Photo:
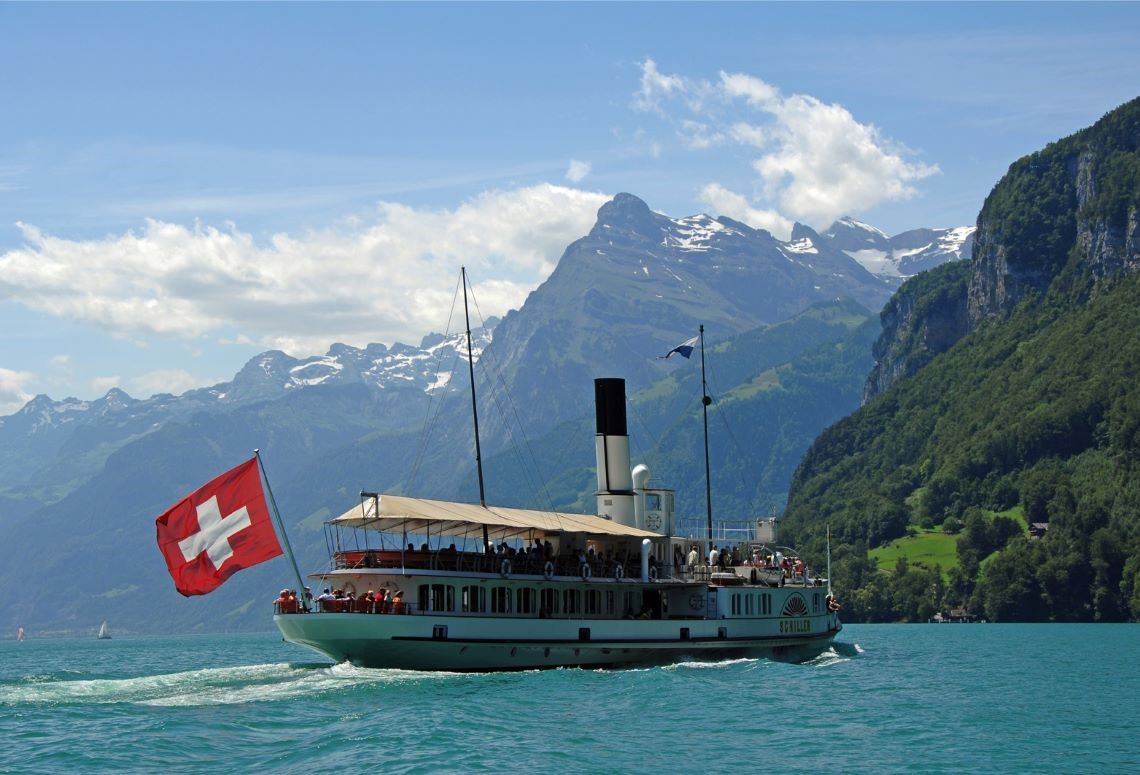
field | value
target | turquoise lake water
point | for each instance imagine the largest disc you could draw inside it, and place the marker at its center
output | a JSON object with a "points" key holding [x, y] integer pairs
{"points": [[889, 698]]}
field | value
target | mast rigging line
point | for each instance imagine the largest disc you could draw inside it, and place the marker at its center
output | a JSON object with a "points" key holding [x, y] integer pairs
{"points": [[495, 379], [430, 420]]}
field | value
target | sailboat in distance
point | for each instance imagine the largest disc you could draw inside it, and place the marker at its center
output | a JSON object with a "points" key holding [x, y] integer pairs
{"points": [[19, 633], [103, 633]]}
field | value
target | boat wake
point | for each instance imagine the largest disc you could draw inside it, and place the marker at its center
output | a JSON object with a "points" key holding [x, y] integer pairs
{"points": [[836, 654], [210, 686], [710, 665]]}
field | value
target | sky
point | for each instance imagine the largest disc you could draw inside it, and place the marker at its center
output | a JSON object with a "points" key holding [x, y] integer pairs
{"points": [[184, 186]]}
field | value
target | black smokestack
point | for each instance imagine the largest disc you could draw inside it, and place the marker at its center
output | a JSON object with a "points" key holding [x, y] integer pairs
{"points": [[609, 403]]}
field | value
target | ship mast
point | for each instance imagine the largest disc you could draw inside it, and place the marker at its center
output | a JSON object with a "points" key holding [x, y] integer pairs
{"points": [[474, 407], [705, 401]]}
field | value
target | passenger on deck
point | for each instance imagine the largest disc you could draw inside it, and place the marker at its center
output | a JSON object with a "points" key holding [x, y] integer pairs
{"points": [[282, 602], [324, 600], [694, 556], [379, 602], [714, 556], [548, 549], [398, 602]]}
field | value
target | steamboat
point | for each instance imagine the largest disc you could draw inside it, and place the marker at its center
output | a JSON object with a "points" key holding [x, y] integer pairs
{"points": [[432, 585]]}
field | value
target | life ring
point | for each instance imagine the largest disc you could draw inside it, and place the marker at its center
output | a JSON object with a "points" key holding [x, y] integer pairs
{"points": [[548, 570], [349, 589], [619, 571], [584, 571], [653, 573], [505, 569]]}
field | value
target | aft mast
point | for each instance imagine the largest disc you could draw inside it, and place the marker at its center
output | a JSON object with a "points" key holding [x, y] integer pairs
{"points": [[705, 401]]}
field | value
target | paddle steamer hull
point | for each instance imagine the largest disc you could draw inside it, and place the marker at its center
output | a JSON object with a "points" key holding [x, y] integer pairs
{"points": [[679, 620], [415, 642]]}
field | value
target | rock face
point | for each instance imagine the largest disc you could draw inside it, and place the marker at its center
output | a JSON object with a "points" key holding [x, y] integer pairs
{"points": [[1068, 213], [927, 316], [1064, 220]]}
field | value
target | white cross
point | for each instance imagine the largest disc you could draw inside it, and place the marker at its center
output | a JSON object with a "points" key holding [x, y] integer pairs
{"points": [[214, 533]]}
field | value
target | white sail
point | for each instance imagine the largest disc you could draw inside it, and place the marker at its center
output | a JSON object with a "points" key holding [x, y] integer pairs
{"points": [[19, 633], [103, 634]]}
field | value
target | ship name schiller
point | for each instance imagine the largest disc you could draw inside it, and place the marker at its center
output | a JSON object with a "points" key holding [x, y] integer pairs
{"points": [[795, 625]]}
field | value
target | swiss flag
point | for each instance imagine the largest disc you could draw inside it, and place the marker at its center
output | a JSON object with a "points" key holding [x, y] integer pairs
{"points": [[217, 530]]}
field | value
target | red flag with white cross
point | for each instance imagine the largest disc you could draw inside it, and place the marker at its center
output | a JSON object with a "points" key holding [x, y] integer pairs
{"points": [[217, 530]]}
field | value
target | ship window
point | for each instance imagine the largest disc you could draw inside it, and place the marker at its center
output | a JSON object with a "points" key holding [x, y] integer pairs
{"points": [[442, 597], [628, 604], [652, 501], [609, 602], [548, 599], [736, 604], [592, 602], [525, 604], [474, 600], [748, 604], [766, 603], [815, 602], [500, 600], [570, 601]]}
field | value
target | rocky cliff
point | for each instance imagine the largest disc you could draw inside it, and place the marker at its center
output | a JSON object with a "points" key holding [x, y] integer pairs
{"points": [[1067, 213], [1062, 221], [927, 316]]}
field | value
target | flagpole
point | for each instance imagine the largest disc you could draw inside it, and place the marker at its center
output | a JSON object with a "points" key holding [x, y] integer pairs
{"points": [[303, 601], [829, 559], [705, 401]]}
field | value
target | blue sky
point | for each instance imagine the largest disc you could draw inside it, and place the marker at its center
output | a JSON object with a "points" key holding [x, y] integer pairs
{"points": [[185, 185]]}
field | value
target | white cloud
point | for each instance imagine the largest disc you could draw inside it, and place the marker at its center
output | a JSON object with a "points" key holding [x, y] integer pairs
{"points": [[577, 170], [815, 161], [381, 278], [13, 394], [698, 135], [655, 86], [101, 385], [725, 202], [176, 381]]}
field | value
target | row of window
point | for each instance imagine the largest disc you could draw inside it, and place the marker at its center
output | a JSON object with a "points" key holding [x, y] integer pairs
{"points": [[760, 604], [751, 604], [478, 599]]}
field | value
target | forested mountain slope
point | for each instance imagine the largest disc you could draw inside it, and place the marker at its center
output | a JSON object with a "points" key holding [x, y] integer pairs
{"points": [[1031, 416]]}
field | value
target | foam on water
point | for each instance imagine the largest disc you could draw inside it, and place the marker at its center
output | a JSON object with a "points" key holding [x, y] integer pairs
{"points": [[209, 686]]}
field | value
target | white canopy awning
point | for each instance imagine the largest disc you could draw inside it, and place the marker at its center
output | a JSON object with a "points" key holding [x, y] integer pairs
{"points": [[422, 516]]}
